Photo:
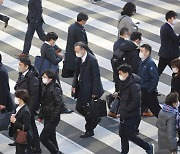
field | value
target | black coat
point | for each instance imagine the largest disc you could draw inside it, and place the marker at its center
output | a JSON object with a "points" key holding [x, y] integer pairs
{"points": [[23, 117], [118, 43], [131, 55], [175, 84], [87, 79], [130, 97], [31, 83], [5, 96], [52, 102], [169, 42], [76, 33], [48, 52], [35, 11]]}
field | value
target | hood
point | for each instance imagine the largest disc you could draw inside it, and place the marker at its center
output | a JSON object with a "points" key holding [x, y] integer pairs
{"points": [[128, 46]]}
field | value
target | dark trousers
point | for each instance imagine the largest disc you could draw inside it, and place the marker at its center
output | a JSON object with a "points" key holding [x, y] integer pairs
{"points": [[163, 62], [150, 100], [36, 140], [32, 27], [48, 136], [128, 132], [1, 17]]}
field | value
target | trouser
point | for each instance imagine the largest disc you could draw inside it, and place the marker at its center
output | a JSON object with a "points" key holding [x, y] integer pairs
{"points": [[36, 140], [127, 132], [1, 17], [48, 136], [150, 100], [90, 120], [163, 62], [32, 27]]}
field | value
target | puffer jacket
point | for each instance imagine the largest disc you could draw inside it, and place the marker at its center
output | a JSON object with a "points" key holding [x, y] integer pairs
{"points": [[51, 102], [166, 124]]}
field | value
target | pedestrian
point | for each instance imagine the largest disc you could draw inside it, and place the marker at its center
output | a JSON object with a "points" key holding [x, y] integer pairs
{"points": [[168, 123], [21, 120], [125, 20], [28, 79], [130, 104], [86, 86], [149, 81], [131, 51], [6, 102], [35, 23], [76, 33], [51, 108], [3, 18], [169, 49]]}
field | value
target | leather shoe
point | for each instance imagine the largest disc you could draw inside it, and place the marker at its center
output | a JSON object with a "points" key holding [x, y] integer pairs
{"points": [[36, 150], [5, 19], [95, 122], [59, 152], [66, 111], [12, 144], [87, 134], [22, 55]]}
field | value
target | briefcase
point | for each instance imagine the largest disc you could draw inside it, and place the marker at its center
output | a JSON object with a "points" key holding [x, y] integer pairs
{"points": [[4, 120]]}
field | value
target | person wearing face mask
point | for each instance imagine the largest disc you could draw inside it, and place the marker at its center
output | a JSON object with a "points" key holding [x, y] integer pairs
{"points": [[170, 42], [21, 120], [149, 81], [86, 86], [130, 104], [168, 122], [51, 107], [29, 79]]}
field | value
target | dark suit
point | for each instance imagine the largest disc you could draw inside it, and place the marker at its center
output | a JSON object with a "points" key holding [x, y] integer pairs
{"points": [[169, 49], [76, 33], [35, 23], [23, 118], [87, 83], [5, 96]]}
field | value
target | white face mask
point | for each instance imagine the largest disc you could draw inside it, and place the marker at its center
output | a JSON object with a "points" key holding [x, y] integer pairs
{"points": [[141, 55], [178, 104], [78, 54], [174, 21], [126, 38], [45, 81], [122, 78], [175, 70], [16, 101]]}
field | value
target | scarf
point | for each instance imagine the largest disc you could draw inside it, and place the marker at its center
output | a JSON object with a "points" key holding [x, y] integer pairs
{"points": [[174, 111]]}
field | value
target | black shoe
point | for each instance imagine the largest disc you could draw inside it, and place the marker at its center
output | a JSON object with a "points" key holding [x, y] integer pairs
{"points": [[67, 111], [87, 134], [178, 142], [22, 55], [59, 152], [95, 122], [5, 19], [12, 144], [36, 150]]}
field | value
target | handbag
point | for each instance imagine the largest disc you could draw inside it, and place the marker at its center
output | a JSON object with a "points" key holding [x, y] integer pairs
{"points": [[4, 120], [21, 136]]}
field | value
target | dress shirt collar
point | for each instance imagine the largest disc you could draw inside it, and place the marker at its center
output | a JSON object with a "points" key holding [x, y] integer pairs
{"points": [[84, 57], [25, 72], [171, 25]]}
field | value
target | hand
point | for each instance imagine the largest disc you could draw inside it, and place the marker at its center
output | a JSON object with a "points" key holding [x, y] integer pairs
{"points": [[39, 120], [60, 55], [73, 90], [115, 94], [94, 96], [13, 119], [2, 107]]}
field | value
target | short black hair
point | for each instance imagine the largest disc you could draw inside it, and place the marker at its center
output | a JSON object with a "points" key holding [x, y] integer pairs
{"points": [[147, 47], [136, 35], [22, 94], [125, 68], [81, 44], [51, 74], [124, 30], [51, 36], [128, 9], [0, 58], [25, 60], [172, 98], [82, 16], [170, 14]]}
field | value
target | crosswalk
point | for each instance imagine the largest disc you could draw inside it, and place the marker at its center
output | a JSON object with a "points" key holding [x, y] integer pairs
{"points": [[102, 33]]}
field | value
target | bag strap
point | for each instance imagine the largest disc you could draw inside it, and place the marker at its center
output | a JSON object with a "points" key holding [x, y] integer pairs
{"points": [[22, 127], [122, 18]]}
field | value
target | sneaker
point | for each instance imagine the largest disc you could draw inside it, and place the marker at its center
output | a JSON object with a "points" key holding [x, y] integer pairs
{"points": [[151, 149]]}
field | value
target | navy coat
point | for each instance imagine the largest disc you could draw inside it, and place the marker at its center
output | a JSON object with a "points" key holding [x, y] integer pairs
{"points": [[5, 96], [169, 42]]}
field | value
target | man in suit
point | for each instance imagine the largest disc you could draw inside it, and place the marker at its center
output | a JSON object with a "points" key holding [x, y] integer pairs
{"points": [[5, 19], [28, 80], [5, 96], [76, 33], [170, 42], [86, 86], [35, 23]]}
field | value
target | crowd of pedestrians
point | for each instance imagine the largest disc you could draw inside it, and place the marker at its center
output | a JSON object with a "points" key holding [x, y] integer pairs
{"points": [[135, 75]]}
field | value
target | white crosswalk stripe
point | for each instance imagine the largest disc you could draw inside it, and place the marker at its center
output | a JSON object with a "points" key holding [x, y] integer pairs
{"points": [[101, 31]]}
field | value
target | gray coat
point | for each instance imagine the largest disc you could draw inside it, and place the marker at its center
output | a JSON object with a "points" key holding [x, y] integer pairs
{"points": [[166, 124]]}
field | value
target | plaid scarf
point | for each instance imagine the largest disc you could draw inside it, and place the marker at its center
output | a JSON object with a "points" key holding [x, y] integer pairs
{"points": [[174, 111]]}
